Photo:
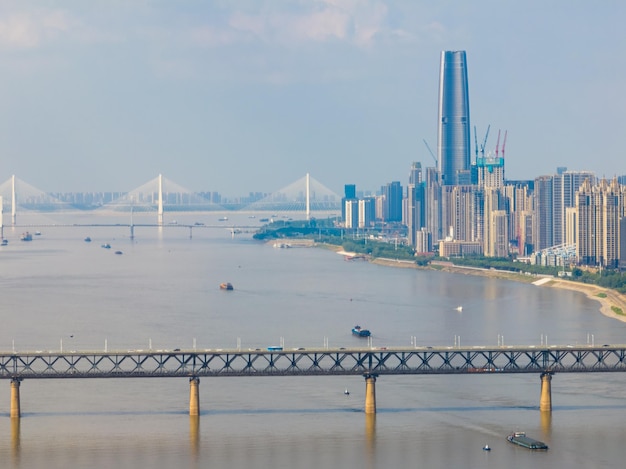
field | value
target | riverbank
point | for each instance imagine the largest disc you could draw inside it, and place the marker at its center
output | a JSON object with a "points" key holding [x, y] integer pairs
{"points": [[612, 303]]}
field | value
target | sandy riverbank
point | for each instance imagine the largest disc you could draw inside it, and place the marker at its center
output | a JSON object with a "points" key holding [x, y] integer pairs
{"points": [[609, 299]]}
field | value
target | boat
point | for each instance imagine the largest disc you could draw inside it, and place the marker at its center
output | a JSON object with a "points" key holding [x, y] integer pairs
{"points": [[26, 236], [346, 392], [106, 246], [88, 239], [459, 309], [119, 253], [520, 439], [223, 219], [360, 332], [226, 286], [486, 448], [264, 220], [5, 242]]}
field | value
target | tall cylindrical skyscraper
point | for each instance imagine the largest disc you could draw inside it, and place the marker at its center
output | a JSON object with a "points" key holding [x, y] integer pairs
{"points": [[453, 129]]}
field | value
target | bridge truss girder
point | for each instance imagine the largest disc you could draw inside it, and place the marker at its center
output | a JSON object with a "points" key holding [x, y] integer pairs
{"points": [[420, 361]]}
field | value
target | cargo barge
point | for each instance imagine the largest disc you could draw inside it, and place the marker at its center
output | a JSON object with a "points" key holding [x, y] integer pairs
{"points": [[520, 439]]}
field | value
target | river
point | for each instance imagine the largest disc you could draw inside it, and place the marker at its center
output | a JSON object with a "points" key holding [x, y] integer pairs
{"points": [[59, 291]]}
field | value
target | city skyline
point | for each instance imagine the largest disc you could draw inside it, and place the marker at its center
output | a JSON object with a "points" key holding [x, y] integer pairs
{"points": [[251, 95]]}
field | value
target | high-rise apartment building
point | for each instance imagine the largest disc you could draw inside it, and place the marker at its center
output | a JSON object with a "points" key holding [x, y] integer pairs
{"points": [[565, 184], [392, 208], [600, 209], [349, 194], [542, 226], [453, 128], [414, 206]]}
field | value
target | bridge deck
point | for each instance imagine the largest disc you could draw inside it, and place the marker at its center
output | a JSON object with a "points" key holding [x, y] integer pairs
{"points": [[311, 362]]}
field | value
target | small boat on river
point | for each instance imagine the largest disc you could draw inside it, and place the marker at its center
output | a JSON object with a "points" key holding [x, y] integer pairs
{"points": [[360, 332], [226, 286], [520, 439], [26, 236]]}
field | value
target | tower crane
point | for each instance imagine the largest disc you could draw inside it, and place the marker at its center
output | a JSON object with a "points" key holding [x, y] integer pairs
{"points": [[504, 143], [431, 153], [482, 147], [498, 144], [475, 142]]}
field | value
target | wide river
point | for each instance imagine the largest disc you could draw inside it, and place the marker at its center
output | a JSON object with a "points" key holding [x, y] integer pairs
{"points": [[60, 291]]}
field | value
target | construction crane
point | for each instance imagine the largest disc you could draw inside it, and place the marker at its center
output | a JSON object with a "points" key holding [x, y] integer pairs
{"points": [[482, 147], [475, 142], [431, 154], [504, 143], [498, 144]]}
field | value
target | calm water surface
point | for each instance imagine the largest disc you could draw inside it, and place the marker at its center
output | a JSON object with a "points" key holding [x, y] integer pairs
{"points": [[61, 292]]}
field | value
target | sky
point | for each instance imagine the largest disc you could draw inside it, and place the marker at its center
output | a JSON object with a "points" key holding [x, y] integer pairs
{"points": [[251, 95]]}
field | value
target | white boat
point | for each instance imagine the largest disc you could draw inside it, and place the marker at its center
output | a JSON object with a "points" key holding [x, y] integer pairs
{"points": [[459, 308]]}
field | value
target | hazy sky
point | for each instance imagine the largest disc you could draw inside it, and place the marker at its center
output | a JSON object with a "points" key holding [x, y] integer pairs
{"points": [[250, 95]]}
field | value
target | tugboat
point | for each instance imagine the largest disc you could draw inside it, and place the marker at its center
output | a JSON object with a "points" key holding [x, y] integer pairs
{"points": [[520, 439], [360, 332]]}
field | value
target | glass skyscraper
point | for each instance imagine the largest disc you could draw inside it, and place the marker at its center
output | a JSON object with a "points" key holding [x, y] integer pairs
{"points": [[453, 129]]}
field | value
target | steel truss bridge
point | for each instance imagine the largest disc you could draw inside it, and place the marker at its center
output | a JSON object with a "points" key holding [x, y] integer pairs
{"points": [[312, 362], [276, 361]]}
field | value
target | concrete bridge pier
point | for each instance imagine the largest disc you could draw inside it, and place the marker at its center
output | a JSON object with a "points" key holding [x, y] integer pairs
{"points": [[194, 396], [15, 398], [545, 400], [370, 393]]}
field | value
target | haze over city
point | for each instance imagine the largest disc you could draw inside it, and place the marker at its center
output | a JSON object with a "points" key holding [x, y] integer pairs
{"points": [[249, 96]]}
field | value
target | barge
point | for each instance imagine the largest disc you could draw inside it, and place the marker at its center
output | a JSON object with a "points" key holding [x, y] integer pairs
{"points": [[520, 439], [360, 332]]}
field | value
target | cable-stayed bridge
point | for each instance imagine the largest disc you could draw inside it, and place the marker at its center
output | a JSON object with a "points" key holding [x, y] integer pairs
{"points": [[161, 194]]}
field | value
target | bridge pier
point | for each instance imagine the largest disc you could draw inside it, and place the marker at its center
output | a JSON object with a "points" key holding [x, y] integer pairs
{"points": [[370, 393], [15, 412], [194, 396], [545, 399]]}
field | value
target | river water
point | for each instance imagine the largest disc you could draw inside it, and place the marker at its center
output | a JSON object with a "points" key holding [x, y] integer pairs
{"points": [[60, 292]]}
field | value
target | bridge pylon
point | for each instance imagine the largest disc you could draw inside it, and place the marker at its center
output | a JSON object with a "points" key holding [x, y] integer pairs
{"points": [[545, 399], [15, 412], [370, 393], [194, 396]]}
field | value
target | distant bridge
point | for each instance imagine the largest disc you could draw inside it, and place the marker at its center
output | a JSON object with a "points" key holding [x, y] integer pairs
{"points": [[161, 194], [367, 362]]}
